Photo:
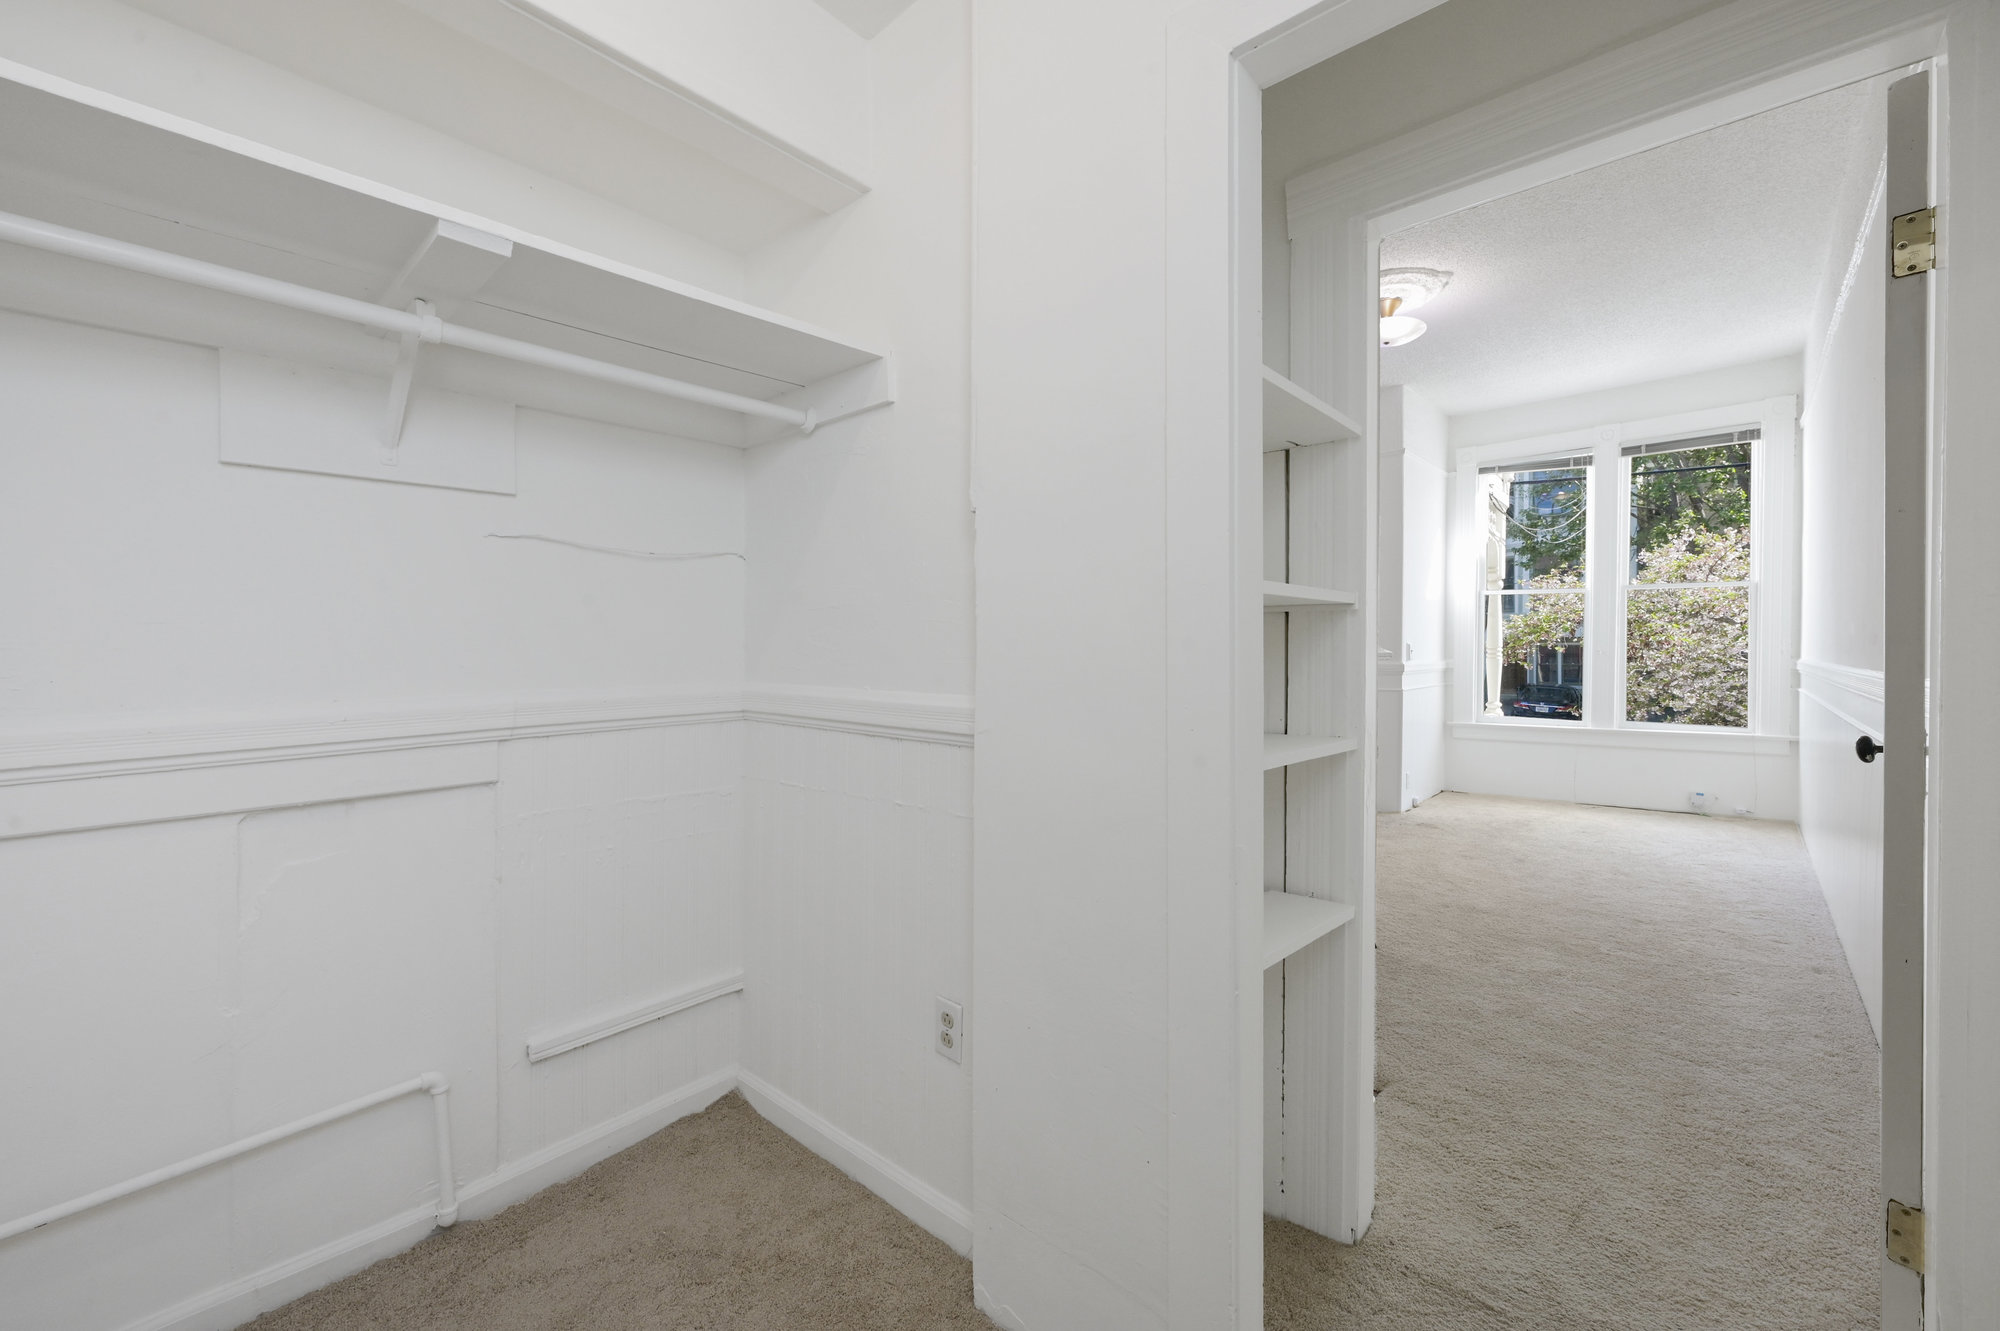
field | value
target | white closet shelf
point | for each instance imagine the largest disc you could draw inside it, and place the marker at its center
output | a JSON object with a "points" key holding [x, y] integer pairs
{"points": [[1292, 920], [1295, 596], [1294, 418], [91, 162], [1285, 750]]}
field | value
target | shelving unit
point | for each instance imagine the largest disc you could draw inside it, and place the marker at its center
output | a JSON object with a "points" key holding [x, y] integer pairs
{"points": [[82, 161], [1292, 921], [1318, 714]]}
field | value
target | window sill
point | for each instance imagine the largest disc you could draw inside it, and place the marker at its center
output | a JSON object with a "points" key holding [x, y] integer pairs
{"points": [[1692, 739]]}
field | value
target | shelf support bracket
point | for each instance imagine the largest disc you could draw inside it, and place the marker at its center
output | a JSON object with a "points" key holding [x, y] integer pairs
{"points": [[403, 379]]}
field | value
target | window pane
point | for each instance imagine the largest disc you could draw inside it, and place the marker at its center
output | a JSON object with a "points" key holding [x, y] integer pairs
{"points": [[1687, 656], [1535, 527], [1691, 515], [1534, 655]]}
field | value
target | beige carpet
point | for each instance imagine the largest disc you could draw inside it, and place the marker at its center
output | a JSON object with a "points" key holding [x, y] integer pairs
{"points": [[1626, 1082], [719, 1223]]}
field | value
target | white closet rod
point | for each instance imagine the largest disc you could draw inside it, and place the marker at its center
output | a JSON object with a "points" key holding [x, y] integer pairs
{"points": [[440, 1091], [425, 327]]}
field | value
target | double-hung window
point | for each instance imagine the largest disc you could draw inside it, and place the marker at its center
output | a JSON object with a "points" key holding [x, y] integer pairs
{"points": [[1537, 527], [1620, 582]]}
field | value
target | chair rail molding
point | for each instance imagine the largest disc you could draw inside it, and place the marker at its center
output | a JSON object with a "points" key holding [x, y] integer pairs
{"points": [[155, 742], [936, 718], [1851, 693], [1405, 676]]}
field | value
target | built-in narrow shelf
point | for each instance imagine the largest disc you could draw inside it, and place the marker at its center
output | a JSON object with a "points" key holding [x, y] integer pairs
{"points": [[1297, 596], [1285, 750], [1291, 921], [1294, 418]]}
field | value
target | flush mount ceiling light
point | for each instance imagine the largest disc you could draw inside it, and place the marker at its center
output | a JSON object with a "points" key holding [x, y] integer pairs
{"points": [[1404, 289]]}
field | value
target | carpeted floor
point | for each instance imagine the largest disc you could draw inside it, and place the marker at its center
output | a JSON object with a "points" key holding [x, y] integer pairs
{"points": [[718, 1223], [1625, 1082]]}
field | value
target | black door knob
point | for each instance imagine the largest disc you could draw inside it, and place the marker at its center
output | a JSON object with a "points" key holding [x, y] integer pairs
{"points": [[1866, 748]]}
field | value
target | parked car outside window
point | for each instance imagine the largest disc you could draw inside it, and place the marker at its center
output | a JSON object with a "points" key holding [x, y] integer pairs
{"points": [[1562, 702]]}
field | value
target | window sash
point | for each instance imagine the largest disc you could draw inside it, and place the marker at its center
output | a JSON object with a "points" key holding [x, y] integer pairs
{"points": [[1607, 472]]}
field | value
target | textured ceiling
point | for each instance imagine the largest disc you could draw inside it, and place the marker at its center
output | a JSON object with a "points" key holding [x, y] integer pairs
{"points": [[1706, 252], [866, 17]]}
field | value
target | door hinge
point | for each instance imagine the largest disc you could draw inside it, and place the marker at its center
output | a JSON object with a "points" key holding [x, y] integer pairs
{"points": [[1905, 1234], [1915, 238]]}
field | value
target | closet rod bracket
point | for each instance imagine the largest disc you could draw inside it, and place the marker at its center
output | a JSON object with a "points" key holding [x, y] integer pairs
{"points": [[428, 328]]}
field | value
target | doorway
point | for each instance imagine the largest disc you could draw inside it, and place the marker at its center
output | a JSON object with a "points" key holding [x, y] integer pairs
{"points": [[1739, 600]]}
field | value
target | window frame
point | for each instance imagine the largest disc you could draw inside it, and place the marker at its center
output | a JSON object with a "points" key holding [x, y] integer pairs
{"points": [[1773, 582]]}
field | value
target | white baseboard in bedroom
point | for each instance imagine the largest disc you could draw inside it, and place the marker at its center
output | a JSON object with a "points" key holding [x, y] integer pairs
{"points": [[916, 1199], [518, 1180], [238, 1301]]}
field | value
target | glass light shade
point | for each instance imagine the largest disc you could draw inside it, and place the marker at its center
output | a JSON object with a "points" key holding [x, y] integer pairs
{"points": [[1398, 329], [1412, 287]]}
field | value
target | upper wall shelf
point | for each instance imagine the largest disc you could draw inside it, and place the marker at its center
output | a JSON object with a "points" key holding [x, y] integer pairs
{"points": [[1292, 920], [1294, 418], [85, 160], [1298, 596]]}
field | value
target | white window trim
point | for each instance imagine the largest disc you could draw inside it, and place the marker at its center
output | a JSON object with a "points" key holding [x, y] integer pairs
{"points": [[1774, 572]]}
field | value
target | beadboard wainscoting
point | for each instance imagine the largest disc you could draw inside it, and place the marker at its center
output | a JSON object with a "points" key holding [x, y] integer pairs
{"points": [[543, 898], [859, 919], [1840, 811], [1640, 768], [1410, 708]]}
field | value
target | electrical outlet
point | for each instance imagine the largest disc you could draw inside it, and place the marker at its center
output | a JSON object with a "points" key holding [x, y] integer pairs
{"points": [[948, 1031]]}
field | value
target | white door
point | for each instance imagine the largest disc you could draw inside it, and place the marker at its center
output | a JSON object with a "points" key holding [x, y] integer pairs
{"points": [[1905, 737]]}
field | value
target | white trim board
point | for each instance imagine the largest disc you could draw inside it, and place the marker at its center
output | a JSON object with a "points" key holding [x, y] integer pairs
{"points": [[232, 1304], [948, 1220], [1664, 739], [1408, 676], [562, 1040], [1852, 694], [94, 803], [1720, 65], [172, 742], [238, 1301], [162, 742], [937, 718]]}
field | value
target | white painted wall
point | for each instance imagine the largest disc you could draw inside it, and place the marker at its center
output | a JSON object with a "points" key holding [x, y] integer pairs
{"points": [[786, 67], [1631, 402], [1412, 660], [1070, 904], [861, 583], [1840, 656], [288, 724], [309, 785]]}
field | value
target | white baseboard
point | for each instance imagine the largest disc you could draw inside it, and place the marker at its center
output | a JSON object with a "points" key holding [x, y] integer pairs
{"points": [[238, 1301], [929, 1208], [521, 1179]]}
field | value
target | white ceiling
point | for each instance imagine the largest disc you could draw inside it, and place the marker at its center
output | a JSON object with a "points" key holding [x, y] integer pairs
{"points": [[1707, 252], [866, 17]]}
